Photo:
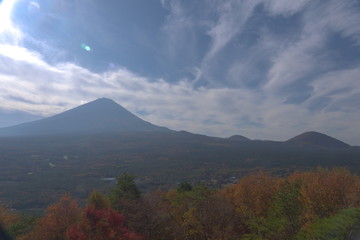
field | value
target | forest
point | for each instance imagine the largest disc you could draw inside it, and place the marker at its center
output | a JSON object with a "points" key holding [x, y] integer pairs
{"points": [[36, 172], [318, 204]]}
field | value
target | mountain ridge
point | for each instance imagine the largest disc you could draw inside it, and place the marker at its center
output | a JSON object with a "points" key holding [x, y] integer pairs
{"points": [[47, 164], [238, 138], [102, 115], [316, 139]]}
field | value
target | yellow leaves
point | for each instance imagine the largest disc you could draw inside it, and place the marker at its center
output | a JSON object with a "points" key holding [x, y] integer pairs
{"points": [[190, 222]]}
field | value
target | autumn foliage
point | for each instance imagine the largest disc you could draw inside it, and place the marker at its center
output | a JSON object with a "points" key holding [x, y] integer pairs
{"points": [[101, 224], [58, 219], [7, 217], [324, 192], [303, 205], [252, 195], [278, 208]]}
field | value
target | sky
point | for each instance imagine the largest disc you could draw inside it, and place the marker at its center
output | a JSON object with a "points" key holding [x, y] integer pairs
{"points": [[264, 69]]}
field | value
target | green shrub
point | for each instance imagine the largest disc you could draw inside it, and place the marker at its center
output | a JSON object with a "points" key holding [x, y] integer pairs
{"points": [[336, 227]]}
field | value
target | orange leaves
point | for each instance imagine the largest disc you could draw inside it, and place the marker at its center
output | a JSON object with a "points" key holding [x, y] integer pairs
{"points": [[271, 206], [65, 220], [325, 192], [57, 220], [252, 195], [259, 206]]}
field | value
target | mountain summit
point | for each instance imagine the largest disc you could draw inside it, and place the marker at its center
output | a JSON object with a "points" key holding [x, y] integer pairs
{"points": [[97, 117], [318, 140]]}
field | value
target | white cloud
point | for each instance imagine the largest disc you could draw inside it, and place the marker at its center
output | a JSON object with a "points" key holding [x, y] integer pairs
{"points": [[336, 16], [17, 53], [51, 89], [31, 84], [294, 62], [304, 57], [285, 7], [179, 32], [232, 17], [8, 32], [341, 88]]}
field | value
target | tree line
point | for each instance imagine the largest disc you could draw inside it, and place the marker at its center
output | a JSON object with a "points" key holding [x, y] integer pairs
{"points": [[319, 204]]}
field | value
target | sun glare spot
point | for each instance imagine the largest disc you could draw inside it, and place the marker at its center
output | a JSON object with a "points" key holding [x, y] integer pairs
{"points": [[86, 47]]}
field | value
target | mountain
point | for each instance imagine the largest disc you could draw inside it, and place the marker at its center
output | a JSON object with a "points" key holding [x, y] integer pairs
{"points": [[238, 138], [101, 116], [318, 140], [74, 153]]}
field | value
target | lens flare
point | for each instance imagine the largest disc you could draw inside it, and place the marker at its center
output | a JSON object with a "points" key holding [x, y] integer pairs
{"points": [[34, 7], [86, 47]]}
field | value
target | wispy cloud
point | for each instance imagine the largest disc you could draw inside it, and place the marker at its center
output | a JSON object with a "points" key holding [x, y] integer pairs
{"points": [[262, 85], [219, 112], [284, 7], [232, 15]]}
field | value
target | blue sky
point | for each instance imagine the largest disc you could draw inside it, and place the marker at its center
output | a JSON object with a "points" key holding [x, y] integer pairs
{"points": [[265, 69]]}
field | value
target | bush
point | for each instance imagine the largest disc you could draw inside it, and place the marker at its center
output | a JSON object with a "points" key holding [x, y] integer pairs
{"points": [[336, 227]]}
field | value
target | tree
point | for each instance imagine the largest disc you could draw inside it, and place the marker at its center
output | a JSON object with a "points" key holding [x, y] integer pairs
{"points": [[200, 214], [126, 199], [101, 224], [7, 217], [125, 188], [253, 194], [184, 187], [98, 200], [336, 227], [145, 215], [23, 226], [283, 220], [325, 192], [57, 220]]}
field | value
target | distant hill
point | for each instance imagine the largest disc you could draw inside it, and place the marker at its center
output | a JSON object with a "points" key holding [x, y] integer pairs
{"points": [[97, 117], [75, 150], [238, 138], [318, 140]]}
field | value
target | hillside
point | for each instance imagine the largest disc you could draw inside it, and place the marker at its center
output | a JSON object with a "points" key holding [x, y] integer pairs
{"points": [[81, 149], [318, 140], [238, 138], [36, 170], [99, 116]]}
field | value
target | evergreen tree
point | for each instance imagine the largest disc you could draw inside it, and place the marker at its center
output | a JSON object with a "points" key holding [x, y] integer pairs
{"points": [[125, 189]]}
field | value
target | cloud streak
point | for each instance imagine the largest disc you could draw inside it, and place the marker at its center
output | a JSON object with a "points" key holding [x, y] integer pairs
{"points": [[218, 112], [244, 80]]}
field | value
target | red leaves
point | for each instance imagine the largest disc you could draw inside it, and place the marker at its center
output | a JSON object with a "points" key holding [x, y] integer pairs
{"points": [[102, 224], [63, 220]]}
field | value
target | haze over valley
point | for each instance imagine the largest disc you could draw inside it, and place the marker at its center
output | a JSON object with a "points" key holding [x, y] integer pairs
{"points": [[75, 150]]}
